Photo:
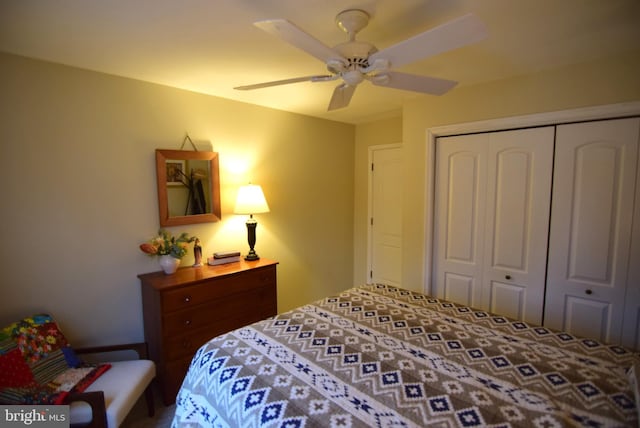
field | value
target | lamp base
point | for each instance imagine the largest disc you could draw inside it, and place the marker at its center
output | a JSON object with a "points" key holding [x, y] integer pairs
{"points": [[251, 238]]}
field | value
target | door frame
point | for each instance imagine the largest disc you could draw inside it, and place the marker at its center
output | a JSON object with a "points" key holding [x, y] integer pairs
{"points": [[610, 111], [370, 151]]}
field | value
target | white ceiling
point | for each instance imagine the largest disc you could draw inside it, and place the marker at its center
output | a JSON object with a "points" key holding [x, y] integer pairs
{"points": [[210, 46]]}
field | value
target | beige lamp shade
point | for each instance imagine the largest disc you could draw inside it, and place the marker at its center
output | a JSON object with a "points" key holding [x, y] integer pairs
{"points": [[251, 200]]}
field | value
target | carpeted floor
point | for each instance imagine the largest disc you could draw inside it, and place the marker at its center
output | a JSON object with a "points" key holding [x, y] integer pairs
{"points": [[138, 417]]}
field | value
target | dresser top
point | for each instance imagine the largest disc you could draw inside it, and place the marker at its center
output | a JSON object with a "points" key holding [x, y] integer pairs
{"points": [[186, 275]]}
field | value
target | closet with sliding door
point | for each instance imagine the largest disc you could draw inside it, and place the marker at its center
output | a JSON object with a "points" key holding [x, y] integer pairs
{"points": [[543, 225]]}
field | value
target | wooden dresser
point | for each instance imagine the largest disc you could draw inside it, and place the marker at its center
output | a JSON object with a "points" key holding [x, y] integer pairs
{"points": [[184, 310]]}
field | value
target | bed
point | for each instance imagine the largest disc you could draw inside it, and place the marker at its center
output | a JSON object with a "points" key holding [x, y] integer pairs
{"points": [[382, 356]]}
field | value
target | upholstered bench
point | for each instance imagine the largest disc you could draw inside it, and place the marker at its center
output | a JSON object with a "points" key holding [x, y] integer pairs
{"points": [[38, 366], [121, 387]]}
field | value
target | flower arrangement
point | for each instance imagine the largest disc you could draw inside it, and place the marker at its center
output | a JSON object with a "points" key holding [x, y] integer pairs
{"points": [[166, 244], [36, 336]]}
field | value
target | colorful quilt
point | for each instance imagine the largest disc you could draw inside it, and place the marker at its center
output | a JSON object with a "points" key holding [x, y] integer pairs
{"points": [[37, 364], [381, 356]]}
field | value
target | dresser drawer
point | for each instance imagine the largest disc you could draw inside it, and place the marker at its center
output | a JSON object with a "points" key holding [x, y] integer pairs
{"points": [[193, 295], [259, 301], [172, 377], [186, 344]]}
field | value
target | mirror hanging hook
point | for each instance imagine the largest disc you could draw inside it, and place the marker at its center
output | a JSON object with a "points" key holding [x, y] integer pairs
{"points": [[187, 138]]}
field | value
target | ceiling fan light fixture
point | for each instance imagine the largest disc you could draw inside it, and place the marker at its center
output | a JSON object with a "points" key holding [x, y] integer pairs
{"points": [[352, 77], [336, 66], [380, 65]]}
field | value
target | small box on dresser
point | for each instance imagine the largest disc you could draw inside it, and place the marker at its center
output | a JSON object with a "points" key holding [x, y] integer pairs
{"points": [[184, 310]]}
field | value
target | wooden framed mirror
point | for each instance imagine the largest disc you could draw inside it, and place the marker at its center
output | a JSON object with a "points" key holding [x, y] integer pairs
{"points": [[188, 187]]}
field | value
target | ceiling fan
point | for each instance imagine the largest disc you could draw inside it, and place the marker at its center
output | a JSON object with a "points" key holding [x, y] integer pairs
{"points": [[354, 61]]}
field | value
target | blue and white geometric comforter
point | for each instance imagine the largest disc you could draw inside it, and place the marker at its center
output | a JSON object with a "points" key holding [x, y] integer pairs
{"points": [[381, 356]]}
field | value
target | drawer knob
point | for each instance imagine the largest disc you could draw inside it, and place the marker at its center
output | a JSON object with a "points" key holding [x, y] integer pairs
{"points": [[187, 299], [507, 277], [187, 322], [589, 291]]}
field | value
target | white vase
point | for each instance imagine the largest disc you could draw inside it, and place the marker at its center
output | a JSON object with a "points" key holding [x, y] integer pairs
{"points": [[168, 264]]}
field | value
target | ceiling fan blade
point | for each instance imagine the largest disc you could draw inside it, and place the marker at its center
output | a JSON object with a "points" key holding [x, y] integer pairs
{"points": [[286, 82], [412, 82], [293, 35], [341, 96], [460, 32]]}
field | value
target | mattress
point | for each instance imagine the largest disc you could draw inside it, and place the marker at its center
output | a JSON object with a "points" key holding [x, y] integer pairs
{"points": [[383, 356]]}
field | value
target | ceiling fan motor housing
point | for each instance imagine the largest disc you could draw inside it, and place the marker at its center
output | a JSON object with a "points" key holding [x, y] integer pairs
{"points": [[356, 53]]}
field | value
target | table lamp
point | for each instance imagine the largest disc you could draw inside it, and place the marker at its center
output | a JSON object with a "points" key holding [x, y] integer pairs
{"points": [[251, 201]]}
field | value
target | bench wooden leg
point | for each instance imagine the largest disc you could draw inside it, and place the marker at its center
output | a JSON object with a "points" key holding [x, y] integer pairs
{"points": [[148, 396]]}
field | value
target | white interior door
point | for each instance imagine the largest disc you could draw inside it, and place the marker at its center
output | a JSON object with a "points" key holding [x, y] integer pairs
{"points": [[492, 217], [386, 216], [591, 227]]}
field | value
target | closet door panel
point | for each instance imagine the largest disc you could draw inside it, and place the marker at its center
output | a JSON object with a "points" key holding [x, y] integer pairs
{"points": [[631, 322], [511, 206], [461, 174], [631, 328], [587, 317], [518, 200], [593, 220], [591, 224], [460, 288], [508, 299]]}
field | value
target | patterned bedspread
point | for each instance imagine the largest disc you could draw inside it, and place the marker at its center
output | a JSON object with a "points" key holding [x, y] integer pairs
{"points": [[381, 356]]}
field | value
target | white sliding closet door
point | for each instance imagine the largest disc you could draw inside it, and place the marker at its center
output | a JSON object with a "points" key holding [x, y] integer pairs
{"points": [[492, 219], [591, 227]]}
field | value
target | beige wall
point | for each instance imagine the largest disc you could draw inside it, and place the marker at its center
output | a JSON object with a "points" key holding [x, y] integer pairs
{"points": [[599, 83], [78, 193]]}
